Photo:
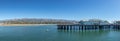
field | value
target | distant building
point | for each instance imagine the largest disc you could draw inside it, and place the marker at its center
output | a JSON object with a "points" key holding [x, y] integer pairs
{"points": [[94, 22], [116, 22]]}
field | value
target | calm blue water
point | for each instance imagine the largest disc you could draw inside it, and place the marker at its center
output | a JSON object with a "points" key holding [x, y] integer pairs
{"points": [[39, 33]]}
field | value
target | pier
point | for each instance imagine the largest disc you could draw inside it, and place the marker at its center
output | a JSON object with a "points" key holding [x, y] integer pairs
{"points": [[87, 27]]}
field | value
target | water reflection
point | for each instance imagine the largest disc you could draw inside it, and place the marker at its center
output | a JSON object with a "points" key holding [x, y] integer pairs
{"points": [[92, 35], [38, 33]]}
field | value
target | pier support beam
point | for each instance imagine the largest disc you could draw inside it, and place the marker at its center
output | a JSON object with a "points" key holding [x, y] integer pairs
{"points": [[88, 27]]}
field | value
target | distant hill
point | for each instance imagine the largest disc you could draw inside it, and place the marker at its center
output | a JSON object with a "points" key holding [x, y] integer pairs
{"points": [[38, 21]]}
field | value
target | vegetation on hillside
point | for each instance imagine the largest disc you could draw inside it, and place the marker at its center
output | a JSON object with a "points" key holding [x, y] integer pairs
{"points": [[38, 21], [55, 21]]}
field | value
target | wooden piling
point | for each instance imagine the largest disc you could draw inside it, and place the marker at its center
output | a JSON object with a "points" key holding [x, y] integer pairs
{"points": [[88, 27]]}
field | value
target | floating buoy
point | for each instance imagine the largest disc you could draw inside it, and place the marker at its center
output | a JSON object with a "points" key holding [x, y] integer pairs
{"points": [[47, 30]]}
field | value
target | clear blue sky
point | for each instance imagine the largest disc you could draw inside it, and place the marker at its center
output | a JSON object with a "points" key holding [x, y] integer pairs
{"points": [[60, 9]]}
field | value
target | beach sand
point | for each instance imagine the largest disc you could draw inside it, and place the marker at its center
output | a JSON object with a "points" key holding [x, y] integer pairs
{"points": [[25, 24]]}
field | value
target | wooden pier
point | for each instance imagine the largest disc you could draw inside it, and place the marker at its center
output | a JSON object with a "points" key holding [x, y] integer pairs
{"points": [[88, 27]]}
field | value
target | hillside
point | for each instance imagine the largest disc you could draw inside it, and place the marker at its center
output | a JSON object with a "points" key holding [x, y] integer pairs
{"points": [[38, 21]]}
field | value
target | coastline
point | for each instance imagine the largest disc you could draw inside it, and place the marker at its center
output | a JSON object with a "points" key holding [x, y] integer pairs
{"points": [[26, 24]]}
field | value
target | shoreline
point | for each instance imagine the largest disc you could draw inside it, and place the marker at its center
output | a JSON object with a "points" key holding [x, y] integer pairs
{"points": [[26, 24]]}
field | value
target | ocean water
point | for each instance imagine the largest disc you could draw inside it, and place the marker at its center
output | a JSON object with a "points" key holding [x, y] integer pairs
{"points": [[50, 33]]}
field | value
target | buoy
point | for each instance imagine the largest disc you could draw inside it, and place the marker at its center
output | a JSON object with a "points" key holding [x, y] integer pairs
{"points": [[47, 30]]}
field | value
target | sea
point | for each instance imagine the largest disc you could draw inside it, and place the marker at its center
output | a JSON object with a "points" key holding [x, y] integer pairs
{"points": [[51, 33]]}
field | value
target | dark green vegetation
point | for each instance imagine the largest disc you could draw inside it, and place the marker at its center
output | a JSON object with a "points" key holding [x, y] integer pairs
{"points": [[38, 21]]}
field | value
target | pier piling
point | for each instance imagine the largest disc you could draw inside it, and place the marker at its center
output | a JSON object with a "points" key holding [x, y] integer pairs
{"points": [[88, 27]]}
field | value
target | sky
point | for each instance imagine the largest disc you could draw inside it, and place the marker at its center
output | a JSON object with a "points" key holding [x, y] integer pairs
{"points": [[60, 9]]}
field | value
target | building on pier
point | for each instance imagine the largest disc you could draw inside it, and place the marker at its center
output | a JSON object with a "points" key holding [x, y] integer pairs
{"points": [[92, 24]]}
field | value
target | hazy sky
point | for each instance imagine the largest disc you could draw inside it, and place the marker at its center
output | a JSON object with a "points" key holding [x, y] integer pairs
{"points": [[60, 9]]}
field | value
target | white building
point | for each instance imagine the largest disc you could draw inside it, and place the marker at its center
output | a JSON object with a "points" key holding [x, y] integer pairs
{"points": [[94, 22]]}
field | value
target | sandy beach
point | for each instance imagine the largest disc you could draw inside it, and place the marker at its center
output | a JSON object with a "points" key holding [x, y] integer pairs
{"points": [[25, 24]]}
